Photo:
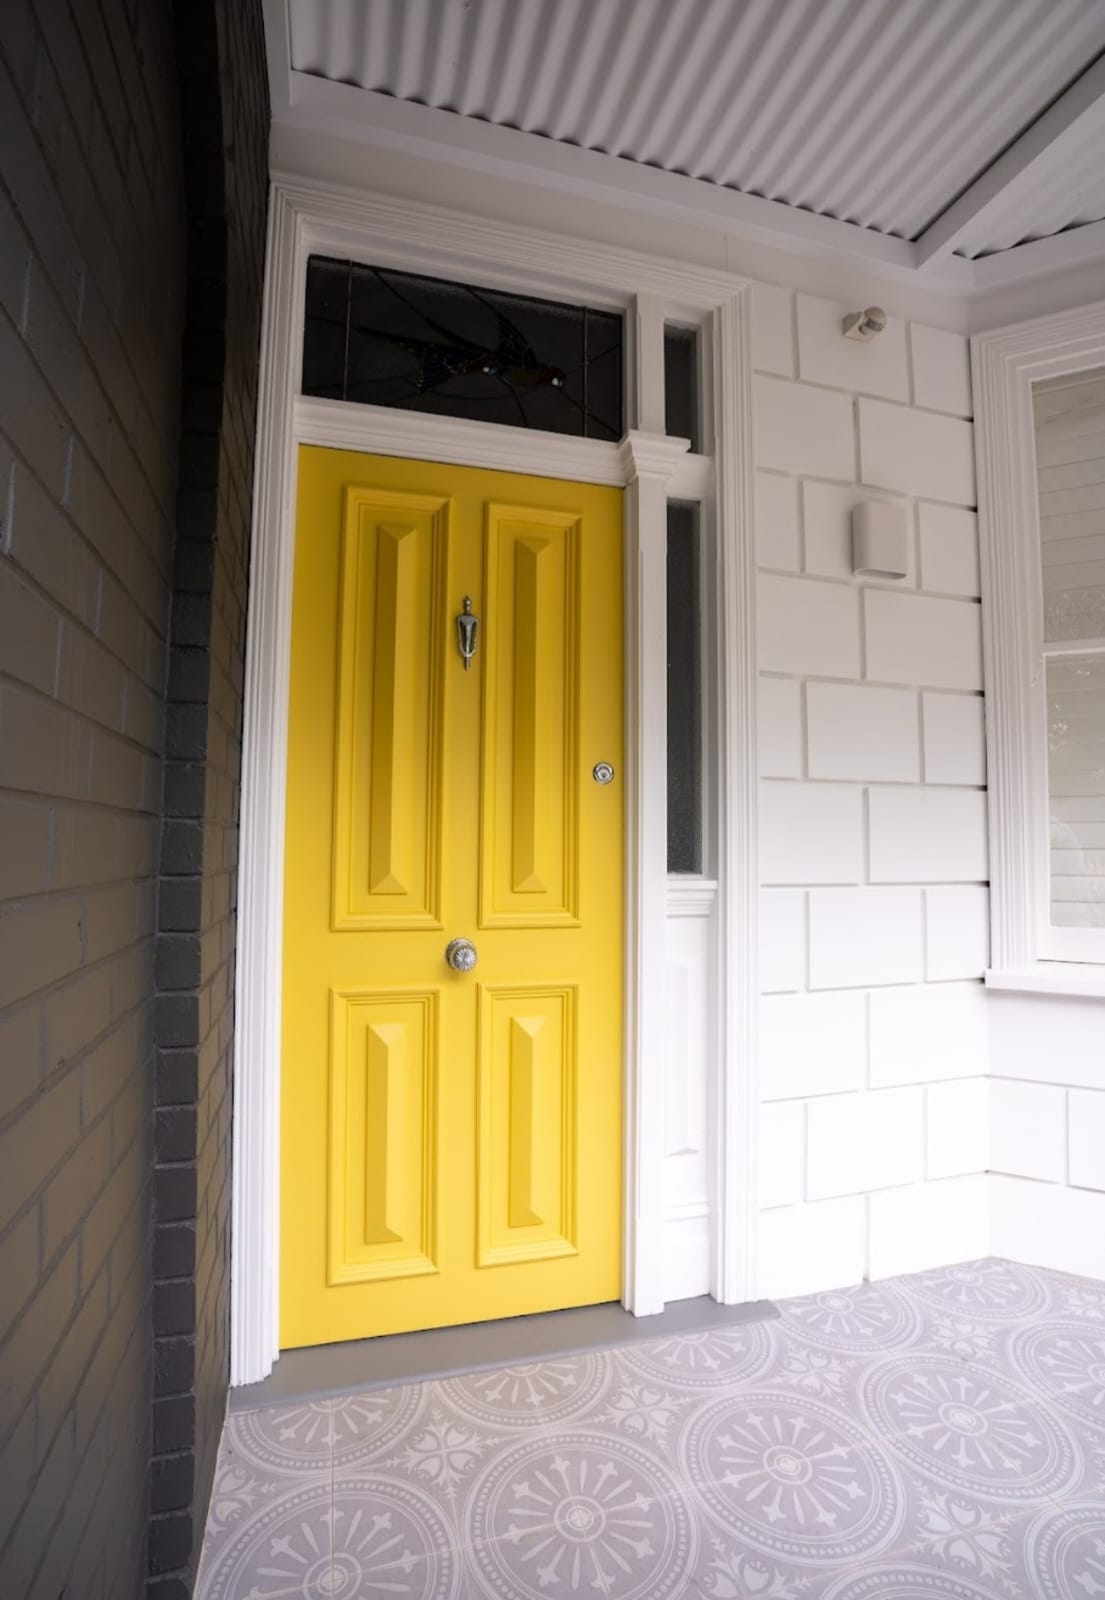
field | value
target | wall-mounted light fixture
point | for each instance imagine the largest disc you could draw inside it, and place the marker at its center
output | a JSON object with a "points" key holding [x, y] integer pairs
{"points": [[864, 325], [880, 540]]}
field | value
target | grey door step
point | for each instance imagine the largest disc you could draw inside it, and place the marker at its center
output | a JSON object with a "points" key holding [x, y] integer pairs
{"points": [[321, 1371]]}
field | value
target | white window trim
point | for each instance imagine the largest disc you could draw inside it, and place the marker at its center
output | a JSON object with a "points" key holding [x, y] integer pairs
{"points": [[307, 217], [1026, 951]]}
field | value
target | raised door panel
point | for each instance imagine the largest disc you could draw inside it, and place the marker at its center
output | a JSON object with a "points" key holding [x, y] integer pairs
{"points": [[382, 1136], [388, 777], [526, 1155], [529, 846]]}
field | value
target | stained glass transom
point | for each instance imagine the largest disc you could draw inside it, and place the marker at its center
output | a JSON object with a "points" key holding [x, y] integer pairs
{"points": [[387, 338]]}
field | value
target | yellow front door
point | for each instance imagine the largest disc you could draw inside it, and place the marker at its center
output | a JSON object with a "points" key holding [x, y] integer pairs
{"points": [[451, 1140]]}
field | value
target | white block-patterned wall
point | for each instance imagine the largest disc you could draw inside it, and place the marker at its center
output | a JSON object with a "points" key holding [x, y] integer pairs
{"points": [[876, 1111], [1047, 1130]]}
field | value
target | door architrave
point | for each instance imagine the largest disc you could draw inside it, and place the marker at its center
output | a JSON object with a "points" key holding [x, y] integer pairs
{"points": [[307, 218]]}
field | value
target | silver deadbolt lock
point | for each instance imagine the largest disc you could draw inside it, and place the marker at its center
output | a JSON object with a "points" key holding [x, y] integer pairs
{"points": [[603, 772]]}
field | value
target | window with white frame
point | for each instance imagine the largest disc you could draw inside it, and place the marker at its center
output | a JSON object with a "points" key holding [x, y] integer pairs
{"points": [[1040, 434], [1069, 416]]}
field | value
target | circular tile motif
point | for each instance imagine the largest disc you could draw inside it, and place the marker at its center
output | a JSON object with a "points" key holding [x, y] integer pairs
{"points": [[376, 1538], [793, 1478], [905, 1581], [994, 1290], [581, 1515], [389, 1539], [517, 1397], [305, 1437], [974, 1430], [1065, 1552], [1067, 1361], [858, 1320], [706, 1358]]}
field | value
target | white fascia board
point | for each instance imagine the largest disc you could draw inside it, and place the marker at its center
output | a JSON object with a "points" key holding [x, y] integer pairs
{"points": [[991, 191], [383, 122], [1074, 247], [1043, 278]]}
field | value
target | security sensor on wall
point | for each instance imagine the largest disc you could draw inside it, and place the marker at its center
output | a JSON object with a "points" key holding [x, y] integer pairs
{"points": [[864, 325], [880, 540]]}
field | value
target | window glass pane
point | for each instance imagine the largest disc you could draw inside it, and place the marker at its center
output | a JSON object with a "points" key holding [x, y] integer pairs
{"points": [[684, 692], [1076, 789], [1070, 470], [681, 384], [451, 349], [326, 329]]}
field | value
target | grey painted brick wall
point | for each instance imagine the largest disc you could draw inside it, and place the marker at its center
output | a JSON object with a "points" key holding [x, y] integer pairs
{"points": [[225, 121], [91, 295], [133, 177]]}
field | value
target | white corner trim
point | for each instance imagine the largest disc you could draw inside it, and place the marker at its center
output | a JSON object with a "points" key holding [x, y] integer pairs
{"points": [[1005, 364], [306, 218], [254, 1280], [734, 1267]]}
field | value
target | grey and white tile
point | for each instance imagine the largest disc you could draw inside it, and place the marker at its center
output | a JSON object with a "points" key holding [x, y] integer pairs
{"points": [[940, 1435]]}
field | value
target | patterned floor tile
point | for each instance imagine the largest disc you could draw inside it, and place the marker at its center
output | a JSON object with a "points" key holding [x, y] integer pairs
{"points": [[704, 1360], [266, 1544], [975, 1430], [579, 1513], [940, 1435], [544, 1392], [793, 1479]]}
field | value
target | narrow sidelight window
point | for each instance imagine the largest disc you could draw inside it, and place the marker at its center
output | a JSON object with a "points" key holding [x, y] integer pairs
{"points": [[681, 384], [684, 690]]}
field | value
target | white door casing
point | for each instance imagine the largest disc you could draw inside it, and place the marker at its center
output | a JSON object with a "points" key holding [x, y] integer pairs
{"points": [[308, 219]]}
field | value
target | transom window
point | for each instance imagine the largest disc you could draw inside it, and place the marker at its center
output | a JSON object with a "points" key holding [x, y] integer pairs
{"points": [[384, 338]]}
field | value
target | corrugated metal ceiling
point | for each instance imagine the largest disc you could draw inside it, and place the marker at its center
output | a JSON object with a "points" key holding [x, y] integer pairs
{"points": [[876, 112]]}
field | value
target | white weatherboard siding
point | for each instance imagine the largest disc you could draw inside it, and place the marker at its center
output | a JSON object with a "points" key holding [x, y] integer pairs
{"points": [[875, 1117]]}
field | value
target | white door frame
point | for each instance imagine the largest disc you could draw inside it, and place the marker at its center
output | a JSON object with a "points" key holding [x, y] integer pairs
{"points": [[305, 219]]}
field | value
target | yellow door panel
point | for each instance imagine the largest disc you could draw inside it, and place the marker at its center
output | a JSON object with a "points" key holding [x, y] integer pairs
{"points": [[383, 1136], [528, 1114], [530, 737], [387, 817], [451, 1142]]}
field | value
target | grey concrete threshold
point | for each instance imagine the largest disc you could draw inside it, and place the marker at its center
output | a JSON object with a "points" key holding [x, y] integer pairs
{"points": [[321, 1371]]}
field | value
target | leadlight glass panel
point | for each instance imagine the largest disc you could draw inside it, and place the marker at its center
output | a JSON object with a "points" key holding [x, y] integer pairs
{"points": [[684, 691], [387, 338]]}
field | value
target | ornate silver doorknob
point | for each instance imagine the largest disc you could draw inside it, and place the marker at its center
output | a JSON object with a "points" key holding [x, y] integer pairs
{"points": [[461, 955]]}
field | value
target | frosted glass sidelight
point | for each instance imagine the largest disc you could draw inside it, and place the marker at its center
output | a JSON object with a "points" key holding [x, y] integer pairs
{"points": [[684, 691], [1076, 789]]}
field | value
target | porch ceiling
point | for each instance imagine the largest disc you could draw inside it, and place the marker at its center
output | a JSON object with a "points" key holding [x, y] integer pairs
{"points": [[963, 126]]}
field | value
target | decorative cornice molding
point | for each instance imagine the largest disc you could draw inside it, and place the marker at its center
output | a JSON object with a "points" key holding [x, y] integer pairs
{"points": [[651, 455], [442, 237]]}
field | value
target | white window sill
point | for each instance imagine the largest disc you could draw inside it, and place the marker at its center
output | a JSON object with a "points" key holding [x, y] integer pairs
{"points": [[1085, 978]]}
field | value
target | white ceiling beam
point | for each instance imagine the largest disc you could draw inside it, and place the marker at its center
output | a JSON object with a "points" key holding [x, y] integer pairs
{"points": [[380, 120], [992, 189]]}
